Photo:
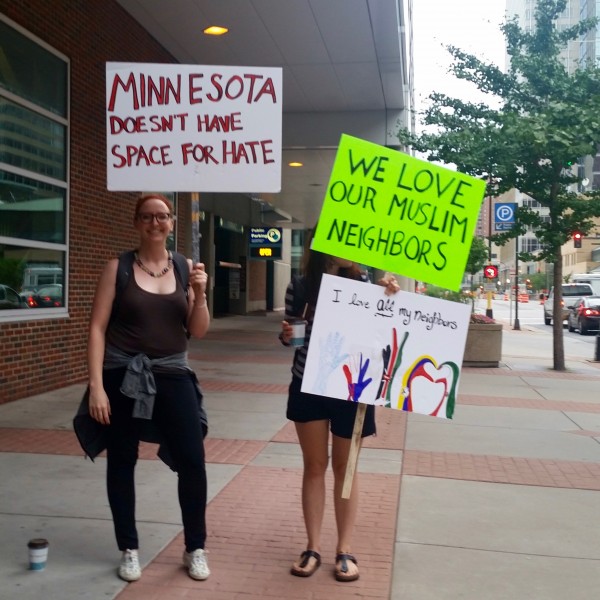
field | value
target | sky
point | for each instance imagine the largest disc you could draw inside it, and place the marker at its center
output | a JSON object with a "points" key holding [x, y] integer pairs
{"points": [[471, 25]]}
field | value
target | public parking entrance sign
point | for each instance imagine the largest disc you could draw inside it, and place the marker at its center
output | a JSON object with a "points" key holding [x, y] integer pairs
{"points": [[265, 242]]}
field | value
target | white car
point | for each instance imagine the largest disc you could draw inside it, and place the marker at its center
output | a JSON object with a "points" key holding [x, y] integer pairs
{"points": [[571, 292]]}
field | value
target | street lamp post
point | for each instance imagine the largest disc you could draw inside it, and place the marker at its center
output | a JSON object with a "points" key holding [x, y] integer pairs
{"points": [[488, 311], [517, 325], [509, 301]]}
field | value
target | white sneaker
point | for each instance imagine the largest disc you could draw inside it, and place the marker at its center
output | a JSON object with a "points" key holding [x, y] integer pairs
{"points": [[129, 569], [195, 563]]}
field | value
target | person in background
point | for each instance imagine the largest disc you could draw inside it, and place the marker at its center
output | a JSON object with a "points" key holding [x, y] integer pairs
{"points": [[138, 373], [314, 416]]}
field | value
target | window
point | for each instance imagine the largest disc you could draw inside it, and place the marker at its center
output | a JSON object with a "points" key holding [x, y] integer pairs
{"points": [[530, 244], [31, 141], [531, 203], [34, 133]]}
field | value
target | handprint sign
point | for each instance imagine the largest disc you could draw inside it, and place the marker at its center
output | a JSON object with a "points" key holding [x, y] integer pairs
{"points": [[391, 357], [330, 358], [356, 388]]}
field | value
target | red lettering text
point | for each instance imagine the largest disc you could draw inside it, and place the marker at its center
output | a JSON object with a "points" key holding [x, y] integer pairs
{"points": [[194, 89], [225, 124], [134, 156], [241, 86], [198, 153], [147, 91], [247, 152]]}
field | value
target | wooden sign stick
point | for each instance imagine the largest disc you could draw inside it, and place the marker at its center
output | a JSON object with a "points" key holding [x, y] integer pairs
{"points": [[195, 227], [354, 449]]}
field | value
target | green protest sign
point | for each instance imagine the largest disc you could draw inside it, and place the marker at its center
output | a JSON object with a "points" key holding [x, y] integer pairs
{"points": [[397, 213]]}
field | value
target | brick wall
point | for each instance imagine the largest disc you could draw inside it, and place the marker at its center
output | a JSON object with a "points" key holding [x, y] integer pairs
{"points": [[36, 356]]}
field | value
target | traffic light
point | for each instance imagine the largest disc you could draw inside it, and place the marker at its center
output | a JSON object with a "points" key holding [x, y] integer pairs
{"points": [[577, 239]]}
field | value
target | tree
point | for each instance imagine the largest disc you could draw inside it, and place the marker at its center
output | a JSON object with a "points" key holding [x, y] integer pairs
{"points": [[538, 281], [478, 256], [547, 119], [11, 272]]}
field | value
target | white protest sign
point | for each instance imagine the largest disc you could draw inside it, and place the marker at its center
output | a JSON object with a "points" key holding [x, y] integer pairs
{"points": [[193, 128], [402, 351]]}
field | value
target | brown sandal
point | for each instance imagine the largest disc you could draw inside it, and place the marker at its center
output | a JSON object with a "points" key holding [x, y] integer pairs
{"points": [[341, 573], [306, 556]]}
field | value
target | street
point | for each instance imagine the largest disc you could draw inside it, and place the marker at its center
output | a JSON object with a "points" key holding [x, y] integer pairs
{"points": [[531, 317]]}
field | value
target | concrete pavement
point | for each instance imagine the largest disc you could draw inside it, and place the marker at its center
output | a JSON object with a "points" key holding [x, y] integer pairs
{"points": [[501, 502]]}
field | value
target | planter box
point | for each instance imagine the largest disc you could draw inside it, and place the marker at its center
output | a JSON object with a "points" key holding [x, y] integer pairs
{"points": [[484, 345]]}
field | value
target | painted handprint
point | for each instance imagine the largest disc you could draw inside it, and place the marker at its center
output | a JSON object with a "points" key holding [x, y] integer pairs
{"points": [[389, 359], [330, 358], [392, 357], [356, 388]]}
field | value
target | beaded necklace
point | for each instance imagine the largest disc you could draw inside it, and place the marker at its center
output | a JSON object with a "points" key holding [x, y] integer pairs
{"points": [[144, 268]]}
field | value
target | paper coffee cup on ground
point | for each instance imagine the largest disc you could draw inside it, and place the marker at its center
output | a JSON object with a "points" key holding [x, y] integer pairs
{"points": [[298, 332], [38, 554]]}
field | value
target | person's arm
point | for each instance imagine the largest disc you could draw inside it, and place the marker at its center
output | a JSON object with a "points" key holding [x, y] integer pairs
{"points": [[99, 405], [198, 314], [286, 329]]}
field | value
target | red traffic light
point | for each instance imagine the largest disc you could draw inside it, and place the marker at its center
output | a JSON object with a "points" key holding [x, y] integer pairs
{"points": [[490, 271], [577, 239]]}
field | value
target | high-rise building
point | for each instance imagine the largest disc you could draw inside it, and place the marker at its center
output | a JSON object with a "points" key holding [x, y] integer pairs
{"points": [[577, 52], [524, 10]]}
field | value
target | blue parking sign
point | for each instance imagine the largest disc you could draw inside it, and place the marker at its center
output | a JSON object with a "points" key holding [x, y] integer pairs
{"points": [[504, 215]]}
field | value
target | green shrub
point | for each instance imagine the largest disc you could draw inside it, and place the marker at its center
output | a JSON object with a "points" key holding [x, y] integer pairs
{"points": [[439, 292], [11, 272]]}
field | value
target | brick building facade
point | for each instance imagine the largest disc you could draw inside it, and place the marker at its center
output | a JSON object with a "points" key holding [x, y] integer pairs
{"points": [[38, 352]]}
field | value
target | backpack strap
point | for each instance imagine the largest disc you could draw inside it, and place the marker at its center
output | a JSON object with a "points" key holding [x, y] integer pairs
{"points": [[124, 272], [182, 270]]}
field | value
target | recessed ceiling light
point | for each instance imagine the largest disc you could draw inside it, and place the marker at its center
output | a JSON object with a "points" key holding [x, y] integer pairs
{"points": [[295, 164], [215, 30]]}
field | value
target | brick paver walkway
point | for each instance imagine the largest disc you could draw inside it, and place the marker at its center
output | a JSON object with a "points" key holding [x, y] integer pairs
{"points": [[255, 523]]}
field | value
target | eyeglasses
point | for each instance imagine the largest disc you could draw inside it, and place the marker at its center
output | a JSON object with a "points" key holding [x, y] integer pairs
{"points": [[160, 217]]}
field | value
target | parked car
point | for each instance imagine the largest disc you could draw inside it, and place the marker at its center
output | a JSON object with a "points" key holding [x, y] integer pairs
{"points": [[584, 315], [570, 293], [46, 296], [37, 275], [10, 299]]}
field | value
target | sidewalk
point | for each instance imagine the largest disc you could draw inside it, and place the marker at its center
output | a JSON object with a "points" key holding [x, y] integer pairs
{"points": [[500, 503]]}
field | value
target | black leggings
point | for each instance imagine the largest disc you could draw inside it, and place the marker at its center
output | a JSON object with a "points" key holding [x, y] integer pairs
{"points": [[177, 417]]}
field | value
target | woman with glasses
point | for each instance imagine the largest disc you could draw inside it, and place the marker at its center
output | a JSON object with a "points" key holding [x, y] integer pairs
{"points": [[139, 377]]}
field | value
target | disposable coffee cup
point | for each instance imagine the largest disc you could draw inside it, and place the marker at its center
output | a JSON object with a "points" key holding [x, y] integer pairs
{"points": [[298, 332], [38, 554]]}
